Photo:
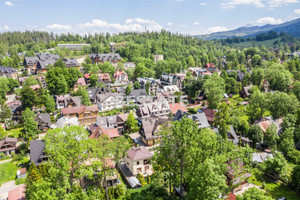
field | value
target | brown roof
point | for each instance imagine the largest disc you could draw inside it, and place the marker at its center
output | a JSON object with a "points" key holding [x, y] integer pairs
{"points": [[139, 153], [94, 131], [150, 126], [112, 133], [10, 141], [210, 114], [123, 117], [177, 106], [79, 110], [22, 171], [17, 193]]}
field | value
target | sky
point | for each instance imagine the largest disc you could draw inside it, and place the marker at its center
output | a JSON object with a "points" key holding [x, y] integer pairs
{"points": [[193, 17]]}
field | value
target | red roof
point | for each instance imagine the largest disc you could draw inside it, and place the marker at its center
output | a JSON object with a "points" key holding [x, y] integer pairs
{"points": [[139, 153], [22, 171], [210, 114], [231, 196], [86, 75], [209, 65], [81, 81], [112, 133], [177, 106], [17, 193], [78, 110]]}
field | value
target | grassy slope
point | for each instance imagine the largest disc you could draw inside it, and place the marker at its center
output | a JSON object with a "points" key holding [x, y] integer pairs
{"points": [[14, 132], [7, 172]]}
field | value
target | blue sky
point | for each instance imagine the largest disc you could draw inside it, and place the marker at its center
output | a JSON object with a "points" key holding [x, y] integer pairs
{"points": [[183, 16]]}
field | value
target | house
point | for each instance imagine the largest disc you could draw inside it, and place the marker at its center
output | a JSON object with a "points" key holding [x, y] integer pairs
{"points": [[170, 79], [30, 64], [174, 107], [150, 129], [17, 193], [153, 84], [21, 173], [171, 88], [8, 146], [43, 120], [85, 114], [8, 72], [158, 57], [38, 64], [80, 83], [157, 108], [138, 96], [210, 114], [110, 101], [138, 161], [199, 118], [113, 58], [265, 122], [61, 101], [208, 65], [261, 157], [37, 154], [245, 92], [93, 92], [129, 65], [121, 76], [104, 78], [13, 106], [236, 174], [111, 133], [66, 121], [112, 122], [71, 63], [232, 136]]}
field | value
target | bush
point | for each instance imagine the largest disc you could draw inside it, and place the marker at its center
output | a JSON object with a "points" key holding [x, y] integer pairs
{"points": [[294, 156], [20, 181]]}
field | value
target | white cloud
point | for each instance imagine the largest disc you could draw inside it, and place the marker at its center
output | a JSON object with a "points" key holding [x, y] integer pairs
{"points": [[169, 24], [97, 25], [196, 23], [6, 27], [297, 11], [214, 29], [268, 20], [203, 4], [59, 27], [279, 3], [229, 4], [9, 3]]}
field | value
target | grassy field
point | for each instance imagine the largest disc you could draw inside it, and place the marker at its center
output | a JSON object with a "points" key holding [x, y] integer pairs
{"points": [[7, 172], [275, 190], [14, 132]]}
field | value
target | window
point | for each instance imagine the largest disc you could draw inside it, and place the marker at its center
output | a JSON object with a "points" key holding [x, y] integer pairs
{"points": [[137, 162], [139, 170]]}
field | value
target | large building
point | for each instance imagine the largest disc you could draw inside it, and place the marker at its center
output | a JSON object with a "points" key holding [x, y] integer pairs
{"points": [[113, 58], [73, 46]]}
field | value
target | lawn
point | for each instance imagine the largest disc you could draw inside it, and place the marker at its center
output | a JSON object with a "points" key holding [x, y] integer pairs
{"points": [[275, 190], [7, 172], [14, 132]]}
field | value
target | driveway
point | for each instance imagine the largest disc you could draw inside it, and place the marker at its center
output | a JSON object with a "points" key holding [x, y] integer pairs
{"points": [[6, 187]]}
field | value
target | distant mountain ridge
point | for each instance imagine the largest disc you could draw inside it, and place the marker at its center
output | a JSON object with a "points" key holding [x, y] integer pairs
{"points": [[290, 27]]}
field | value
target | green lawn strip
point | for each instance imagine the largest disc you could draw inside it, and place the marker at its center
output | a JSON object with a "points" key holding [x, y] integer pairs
{"points": [[7, 172], [14, 132]]}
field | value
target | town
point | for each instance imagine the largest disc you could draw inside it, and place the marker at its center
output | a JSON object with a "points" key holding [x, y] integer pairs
{"points": [[147, 116]]}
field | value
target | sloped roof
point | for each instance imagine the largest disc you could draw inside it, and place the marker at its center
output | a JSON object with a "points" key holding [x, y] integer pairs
{"points": [[177, 106], [112, 133], [37, 148], [17, 193], [44, 117], [7, 70], [76, 100], [81, 81], [10, 141], [150, 125], [79, 110], [134, 182], [139, 153]]}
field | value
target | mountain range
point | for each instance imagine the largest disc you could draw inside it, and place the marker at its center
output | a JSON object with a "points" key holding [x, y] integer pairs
{"points": [[290, 27]]}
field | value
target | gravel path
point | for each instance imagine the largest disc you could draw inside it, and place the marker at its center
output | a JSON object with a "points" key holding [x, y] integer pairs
{"points": [[6, 187], [5, 161]]}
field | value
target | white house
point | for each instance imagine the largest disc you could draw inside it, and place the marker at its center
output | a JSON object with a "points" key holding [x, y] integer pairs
{"points": [[138, 161]]}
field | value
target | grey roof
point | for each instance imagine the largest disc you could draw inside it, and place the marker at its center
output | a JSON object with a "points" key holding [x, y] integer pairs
{"points": [[231, 132], [44, 117], [134, 182], [76, 100], [199, 118], [71, 62], [106, 56], [61, 122], [150, 125], [107, 122], [103, 97], [138, 92], [37, 148], [94, 91], [7, 70], [31, 60], [168, 79]]}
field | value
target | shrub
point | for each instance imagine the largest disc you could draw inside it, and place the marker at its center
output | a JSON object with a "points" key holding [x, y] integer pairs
{"points": [[20, 181]]}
